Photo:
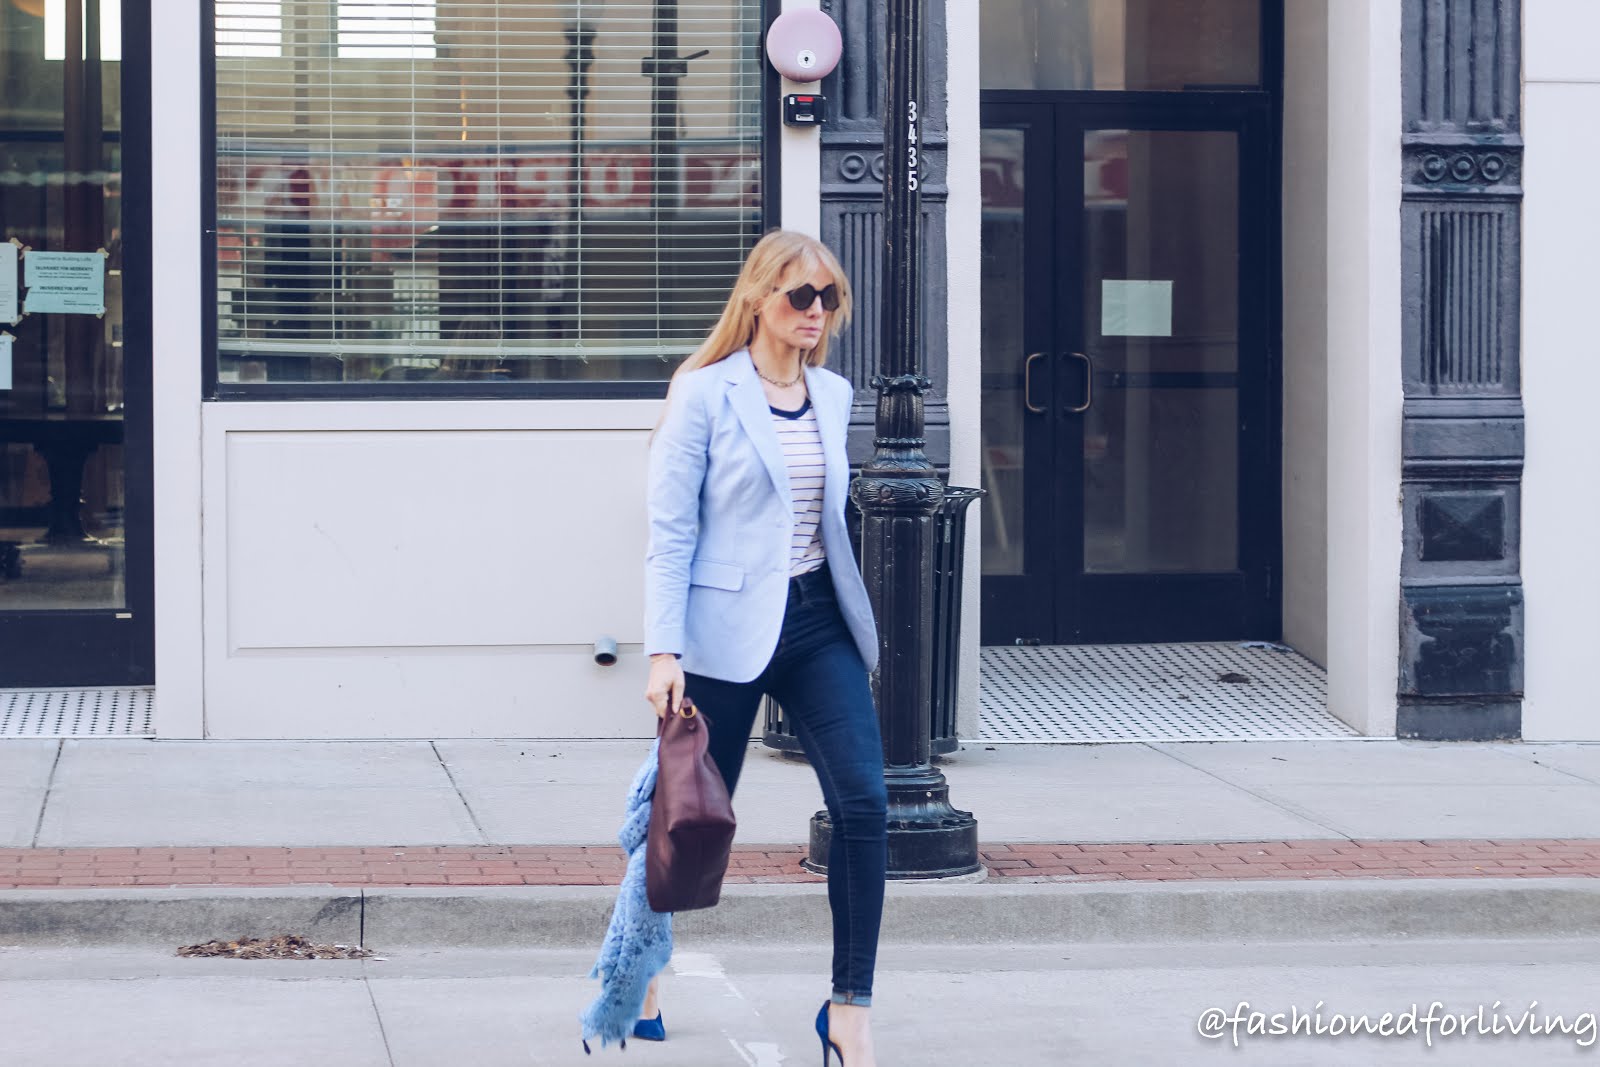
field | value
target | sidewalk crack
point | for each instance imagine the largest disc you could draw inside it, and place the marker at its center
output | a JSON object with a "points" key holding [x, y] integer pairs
{"points": [[1534, 759], [1284, 806], [483, 838], [377, 1014], [49, 787]]}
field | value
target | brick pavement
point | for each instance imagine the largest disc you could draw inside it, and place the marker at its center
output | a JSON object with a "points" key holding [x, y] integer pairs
{"points": [[603, 864]]}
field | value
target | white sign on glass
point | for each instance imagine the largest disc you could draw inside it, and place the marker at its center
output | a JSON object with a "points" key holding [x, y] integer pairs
{"points": [[5, 361], [70, 283], [8, 282], [1135, 309]]}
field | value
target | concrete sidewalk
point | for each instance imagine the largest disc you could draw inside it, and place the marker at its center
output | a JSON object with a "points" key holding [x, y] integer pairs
{"points": [[102, 835], [141, 793]]}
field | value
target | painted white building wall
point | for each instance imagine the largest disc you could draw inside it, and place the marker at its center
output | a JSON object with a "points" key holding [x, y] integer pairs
{"points": [[1363, 361], [801, 187], [175, 260], [1560, 368], [1305, 329], [964, 233]]}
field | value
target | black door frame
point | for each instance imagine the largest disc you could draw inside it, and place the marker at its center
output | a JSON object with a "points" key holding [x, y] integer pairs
{"points": [[1138, 613], [113, 646]]}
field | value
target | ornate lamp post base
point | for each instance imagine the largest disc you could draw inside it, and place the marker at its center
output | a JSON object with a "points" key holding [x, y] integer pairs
{"points": [[927, 837]]}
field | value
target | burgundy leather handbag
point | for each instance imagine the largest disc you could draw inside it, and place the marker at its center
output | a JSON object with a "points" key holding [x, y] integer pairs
{"points": [[691, 818]]}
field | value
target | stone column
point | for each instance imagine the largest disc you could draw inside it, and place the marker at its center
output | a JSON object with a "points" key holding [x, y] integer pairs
{"points": [[1461, 629]]}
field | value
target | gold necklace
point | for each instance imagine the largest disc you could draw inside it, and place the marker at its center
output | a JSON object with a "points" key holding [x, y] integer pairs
{"points": [[781, 385]]}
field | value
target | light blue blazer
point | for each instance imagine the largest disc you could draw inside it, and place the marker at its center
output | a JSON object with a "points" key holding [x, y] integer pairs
{"points": [[721, 519]]}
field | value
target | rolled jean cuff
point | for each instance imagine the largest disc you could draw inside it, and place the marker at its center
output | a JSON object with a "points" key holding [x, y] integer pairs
{"points": [[861, 1000]]}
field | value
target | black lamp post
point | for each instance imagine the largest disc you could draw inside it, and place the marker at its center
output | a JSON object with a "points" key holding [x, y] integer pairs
{"points": [[898, 493]]}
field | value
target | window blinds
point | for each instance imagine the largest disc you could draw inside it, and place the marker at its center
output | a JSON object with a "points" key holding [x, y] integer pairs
{"points": [[443, 188]]}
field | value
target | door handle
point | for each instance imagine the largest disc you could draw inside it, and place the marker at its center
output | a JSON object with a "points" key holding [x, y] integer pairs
{"points": [[1088, 383], [1027, 383]]}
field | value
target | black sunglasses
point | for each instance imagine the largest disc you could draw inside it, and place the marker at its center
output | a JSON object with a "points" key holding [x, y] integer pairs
{"points": [[801, 299]]}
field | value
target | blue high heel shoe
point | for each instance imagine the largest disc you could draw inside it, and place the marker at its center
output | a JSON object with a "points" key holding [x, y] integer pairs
{"points": [[650, 1029], [822, 1032], [646, 1030]]}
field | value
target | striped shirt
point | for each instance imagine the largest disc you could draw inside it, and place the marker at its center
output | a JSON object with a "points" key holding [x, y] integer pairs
{"points": [[802, 453]]}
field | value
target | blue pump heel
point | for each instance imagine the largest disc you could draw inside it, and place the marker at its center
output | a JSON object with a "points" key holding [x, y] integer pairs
{"points": [[822, 1032], [646, 1030]]}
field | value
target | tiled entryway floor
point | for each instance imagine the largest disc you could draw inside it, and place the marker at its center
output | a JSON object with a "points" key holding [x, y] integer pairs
{"points": [[1219, 691], [77, 712]]}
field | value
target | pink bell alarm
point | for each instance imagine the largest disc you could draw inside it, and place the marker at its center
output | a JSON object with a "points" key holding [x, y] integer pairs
{"points": [[804, 45]]}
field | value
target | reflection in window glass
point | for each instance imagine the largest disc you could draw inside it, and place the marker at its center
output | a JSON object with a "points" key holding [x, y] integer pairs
{"points": [[249, 27], [1161, 438], [1003, 352], [386, 31], [481, 189], [55, 29], [1121, 44]]}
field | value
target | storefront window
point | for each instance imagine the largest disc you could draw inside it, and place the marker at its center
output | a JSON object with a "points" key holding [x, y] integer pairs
{"points": [[445, 190], [1121, 44], [63, 492]]}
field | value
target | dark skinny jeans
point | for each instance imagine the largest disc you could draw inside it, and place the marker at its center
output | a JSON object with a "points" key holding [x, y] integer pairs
{"points": [[817, 674]]}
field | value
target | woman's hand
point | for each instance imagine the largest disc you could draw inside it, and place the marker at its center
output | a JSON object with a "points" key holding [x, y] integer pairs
{"points": [[665, 688]]}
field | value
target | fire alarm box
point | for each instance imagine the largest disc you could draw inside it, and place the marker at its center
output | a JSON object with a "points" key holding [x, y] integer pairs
{"points": [[804, 109]]}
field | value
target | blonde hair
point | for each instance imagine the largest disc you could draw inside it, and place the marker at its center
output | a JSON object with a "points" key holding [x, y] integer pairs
{"points": [[774, 258]]}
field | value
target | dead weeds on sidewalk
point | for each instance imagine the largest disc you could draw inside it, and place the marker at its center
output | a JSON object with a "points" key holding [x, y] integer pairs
{"points": [[280, 947]]}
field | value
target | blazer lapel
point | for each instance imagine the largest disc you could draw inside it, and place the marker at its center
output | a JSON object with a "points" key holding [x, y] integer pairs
{"points": [[750, 404], [833, 444]]}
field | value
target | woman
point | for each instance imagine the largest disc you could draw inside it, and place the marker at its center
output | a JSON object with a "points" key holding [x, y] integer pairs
{"points": [[751, 585]]}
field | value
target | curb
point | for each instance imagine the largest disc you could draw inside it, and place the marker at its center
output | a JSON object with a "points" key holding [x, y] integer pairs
{"points": [[526, 917]]}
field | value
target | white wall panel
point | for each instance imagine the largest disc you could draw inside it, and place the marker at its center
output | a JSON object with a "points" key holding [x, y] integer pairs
{"points": [[524, 691], [379, 569], [434, 538]]}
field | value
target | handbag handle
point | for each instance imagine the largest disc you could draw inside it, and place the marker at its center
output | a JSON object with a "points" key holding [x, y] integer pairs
{"points": [[685, 711]]}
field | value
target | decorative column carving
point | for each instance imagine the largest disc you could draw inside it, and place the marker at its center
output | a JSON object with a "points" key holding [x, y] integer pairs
{"points": [[852, 209], [1461, 631]]}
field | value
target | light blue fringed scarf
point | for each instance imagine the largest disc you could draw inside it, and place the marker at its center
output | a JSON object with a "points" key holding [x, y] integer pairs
{"points": [[639, 941]]}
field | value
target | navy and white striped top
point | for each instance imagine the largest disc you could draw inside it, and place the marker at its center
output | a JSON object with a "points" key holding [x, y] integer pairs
{"points": [[802, 452]]}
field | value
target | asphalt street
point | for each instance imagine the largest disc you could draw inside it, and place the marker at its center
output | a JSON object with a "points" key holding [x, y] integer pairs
{"points": [[1043, 1004]]}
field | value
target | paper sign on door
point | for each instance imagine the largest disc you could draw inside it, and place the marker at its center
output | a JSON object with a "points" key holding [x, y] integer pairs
{"points": [[5, 361], [1135, 309], [72, 283], [8, 283]]}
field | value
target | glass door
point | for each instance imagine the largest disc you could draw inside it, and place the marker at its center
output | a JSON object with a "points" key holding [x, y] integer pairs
{"points": [[1128, 415], [1019, 368], [75, 581]]}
